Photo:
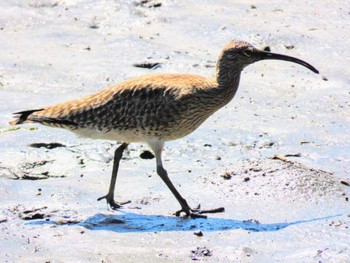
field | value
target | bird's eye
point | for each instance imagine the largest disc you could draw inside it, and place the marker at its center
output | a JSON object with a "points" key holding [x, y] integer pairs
{"points": [[247, 53]]}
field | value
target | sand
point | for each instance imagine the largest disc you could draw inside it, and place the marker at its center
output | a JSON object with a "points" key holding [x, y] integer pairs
{"points": [[277, 157]]}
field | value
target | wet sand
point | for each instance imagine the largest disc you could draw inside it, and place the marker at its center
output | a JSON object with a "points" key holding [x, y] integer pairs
{"points": [[277, 157]]}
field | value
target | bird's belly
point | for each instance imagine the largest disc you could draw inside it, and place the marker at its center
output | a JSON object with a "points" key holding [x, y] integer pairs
{"points": [[164, 133], [127, 136]]}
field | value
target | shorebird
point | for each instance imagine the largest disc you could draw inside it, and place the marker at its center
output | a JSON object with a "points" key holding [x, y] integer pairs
{"points": [[154, 109]]}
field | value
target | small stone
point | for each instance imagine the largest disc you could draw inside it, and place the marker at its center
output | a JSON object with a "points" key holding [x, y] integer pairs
{"points": [[289, 46], [146, 155], [344, 182], [226, 176], [200, 252], [198, 233], [94, 26], [148, 65]]}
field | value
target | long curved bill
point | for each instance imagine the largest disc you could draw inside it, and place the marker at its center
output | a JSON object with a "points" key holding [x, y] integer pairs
{"points": [[269, 55]]}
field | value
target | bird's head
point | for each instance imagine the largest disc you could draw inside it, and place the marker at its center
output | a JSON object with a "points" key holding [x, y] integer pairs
{"points": [[238, 54]]}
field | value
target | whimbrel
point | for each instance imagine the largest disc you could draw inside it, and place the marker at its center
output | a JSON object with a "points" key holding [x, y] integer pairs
{"points": [[154, 109]]}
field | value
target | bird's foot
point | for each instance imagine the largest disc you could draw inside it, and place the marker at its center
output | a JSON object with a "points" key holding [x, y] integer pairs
{"points": [[197, 212], [113, 204]]}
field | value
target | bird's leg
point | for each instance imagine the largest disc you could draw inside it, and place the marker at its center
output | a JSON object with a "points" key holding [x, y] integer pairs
{"points": [[157, 147], [118, 154], [184, 206]]}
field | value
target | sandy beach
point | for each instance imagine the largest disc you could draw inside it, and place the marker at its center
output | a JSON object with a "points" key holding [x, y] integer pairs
{"points": [[276, 157]]}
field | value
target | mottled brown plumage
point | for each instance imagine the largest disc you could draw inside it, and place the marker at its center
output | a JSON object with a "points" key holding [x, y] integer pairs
{"points": [[154, 108], [161, 106]]}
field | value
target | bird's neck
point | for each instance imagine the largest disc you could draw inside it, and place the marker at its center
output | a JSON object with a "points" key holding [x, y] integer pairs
{"points": [[227, 78]]}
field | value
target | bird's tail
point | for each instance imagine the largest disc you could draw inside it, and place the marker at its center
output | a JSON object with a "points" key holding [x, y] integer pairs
{"points": [[22, 117], [42, 118]]}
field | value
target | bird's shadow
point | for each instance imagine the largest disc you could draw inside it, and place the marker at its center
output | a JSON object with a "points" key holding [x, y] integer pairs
{"points": [[126, 222]]}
